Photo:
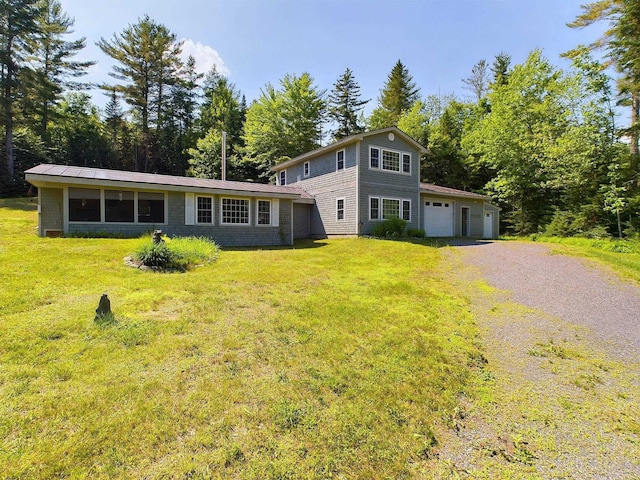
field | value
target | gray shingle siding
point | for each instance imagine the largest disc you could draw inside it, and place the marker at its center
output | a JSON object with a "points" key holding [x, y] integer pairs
{"points": [[385, 184], [301, 220], [225, 235], [321, 165], [51, 207]]}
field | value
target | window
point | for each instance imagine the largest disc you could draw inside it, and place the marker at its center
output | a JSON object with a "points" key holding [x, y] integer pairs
{"points": [[390, 208], [340, 209], [340, 160], [204, 213], [374, 158], [84, 205], [390, 161], [235, 211], [374, 208], [150, 207], [283, 177], [118, 206], [264, 212], [406, 163], [406, 210], [306, 169]]}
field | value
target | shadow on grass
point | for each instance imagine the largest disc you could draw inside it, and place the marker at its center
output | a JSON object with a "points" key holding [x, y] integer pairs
{"points": [[26, 204], [298, 245]]}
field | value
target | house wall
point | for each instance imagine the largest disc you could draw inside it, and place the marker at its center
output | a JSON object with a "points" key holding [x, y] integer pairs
{"points": [[382, 183], [496, 218], [301, 220], [225, 235], [51, 210], [321, 165], [476, 213], [327, 188]]}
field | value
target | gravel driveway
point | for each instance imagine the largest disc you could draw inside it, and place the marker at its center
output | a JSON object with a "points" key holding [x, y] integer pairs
{"points": [[561, 336], [564, 287]]}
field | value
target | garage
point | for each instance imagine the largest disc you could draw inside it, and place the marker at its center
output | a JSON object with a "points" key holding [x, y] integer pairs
{"points": [[438, 217]]}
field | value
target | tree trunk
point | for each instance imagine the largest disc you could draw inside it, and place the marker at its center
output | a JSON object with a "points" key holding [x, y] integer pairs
{"points": [[634, 135], [8, 138]]}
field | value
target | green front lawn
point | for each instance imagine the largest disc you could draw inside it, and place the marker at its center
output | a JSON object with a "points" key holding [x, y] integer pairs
{"points": [[335, 358]]}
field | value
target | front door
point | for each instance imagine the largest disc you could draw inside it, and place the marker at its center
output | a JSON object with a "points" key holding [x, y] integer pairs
{"points": [[465, 222], [488, 225]]}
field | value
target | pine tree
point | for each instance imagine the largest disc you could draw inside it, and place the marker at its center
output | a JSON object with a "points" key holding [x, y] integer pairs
{"points": [[148, 61], [500, 69], [17, 27], [397, 96], [344, 105], [54, 69]]}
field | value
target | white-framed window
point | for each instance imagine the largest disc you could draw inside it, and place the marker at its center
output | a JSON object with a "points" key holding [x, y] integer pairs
{"points": [[406, 163], [283, 177], [389, 160], [381, 208], [374, 208], [374, 158], [235, 211], [263, 213], [406, 210], [340, 160], [306, 169], [204, 210], [340, 209]]}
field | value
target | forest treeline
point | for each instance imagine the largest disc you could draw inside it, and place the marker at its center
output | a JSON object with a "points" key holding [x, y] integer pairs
{"points": [[543, 142]]}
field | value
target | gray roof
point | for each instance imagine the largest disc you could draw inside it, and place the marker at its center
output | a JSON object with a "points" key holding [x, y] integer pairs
{"points": [[437, 189], [46, 173], [345, 141]]}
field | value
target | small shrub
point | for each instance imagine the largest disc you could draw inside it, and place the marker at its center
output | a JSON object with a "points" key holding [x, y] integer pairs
{"points": [[393, 227], [156, 255], [415, 233]]}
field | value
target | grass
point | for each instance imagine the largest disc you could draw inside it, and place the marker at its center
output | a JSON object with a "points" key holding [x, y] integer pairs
{"points": [[332, 359], [623, 256]]}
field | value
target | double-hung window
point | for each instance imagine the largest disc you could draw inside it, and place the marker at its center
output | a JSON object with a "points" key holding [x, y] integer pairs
{"points": [[390, 208], [340, 160], [264, 212], [235, 211], [340, 209], [390, 161], [385, 208], [283, 177], [406, 210], [374, 158], [306, 169], [205, 210], [374, 208], [406, 163]]}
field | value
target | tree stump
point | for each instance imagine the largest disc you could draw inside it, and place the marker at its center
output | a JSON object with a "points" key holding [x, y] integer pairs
{"points": [[104, 308], [157, 237]]}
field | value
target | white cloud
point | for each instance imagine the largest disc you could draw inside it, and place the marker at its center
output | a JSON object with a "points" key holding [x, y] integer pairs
{"points": [[205, 56]]}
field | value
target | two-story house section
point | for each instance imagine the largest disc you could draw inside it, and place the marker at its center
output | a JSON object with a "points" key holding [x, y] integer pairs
{"points": [[366, 178]]}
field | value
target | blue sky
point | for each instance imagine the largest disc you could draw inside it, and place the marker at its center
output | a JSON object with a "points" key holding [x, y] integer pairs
{"points": [[255, 42]]}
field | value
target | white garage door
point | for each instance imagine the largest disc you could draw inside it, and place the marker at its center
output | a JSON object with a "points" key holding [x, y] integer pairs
{"points": [[438, 218]]}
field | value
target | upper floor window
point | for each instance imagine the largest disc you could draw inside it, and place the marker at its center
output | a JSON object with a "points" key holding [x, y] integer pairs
{"points": [[340, 160], [235, 211], [306, 169], [389, 160], [283, 177], [374, 161]]}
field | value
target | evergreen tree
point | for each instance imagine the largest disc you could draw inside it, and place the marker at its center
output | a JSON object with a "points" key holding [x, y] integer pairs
{"points": [[148, 61], [500, 69], [54, 68], [17, 27], [344, 104], [397, 96]]}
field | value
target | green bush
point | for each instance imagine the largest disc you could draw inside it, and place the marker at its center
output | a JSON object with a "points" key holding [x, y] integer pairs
{"points": [[156, 255], [415, 233], [393, 227], [178, 253]]}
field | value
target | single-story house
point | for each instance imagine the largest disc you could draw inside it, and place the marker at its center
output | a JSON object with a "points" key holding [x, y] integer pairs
{"points": [[340, 189]]}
